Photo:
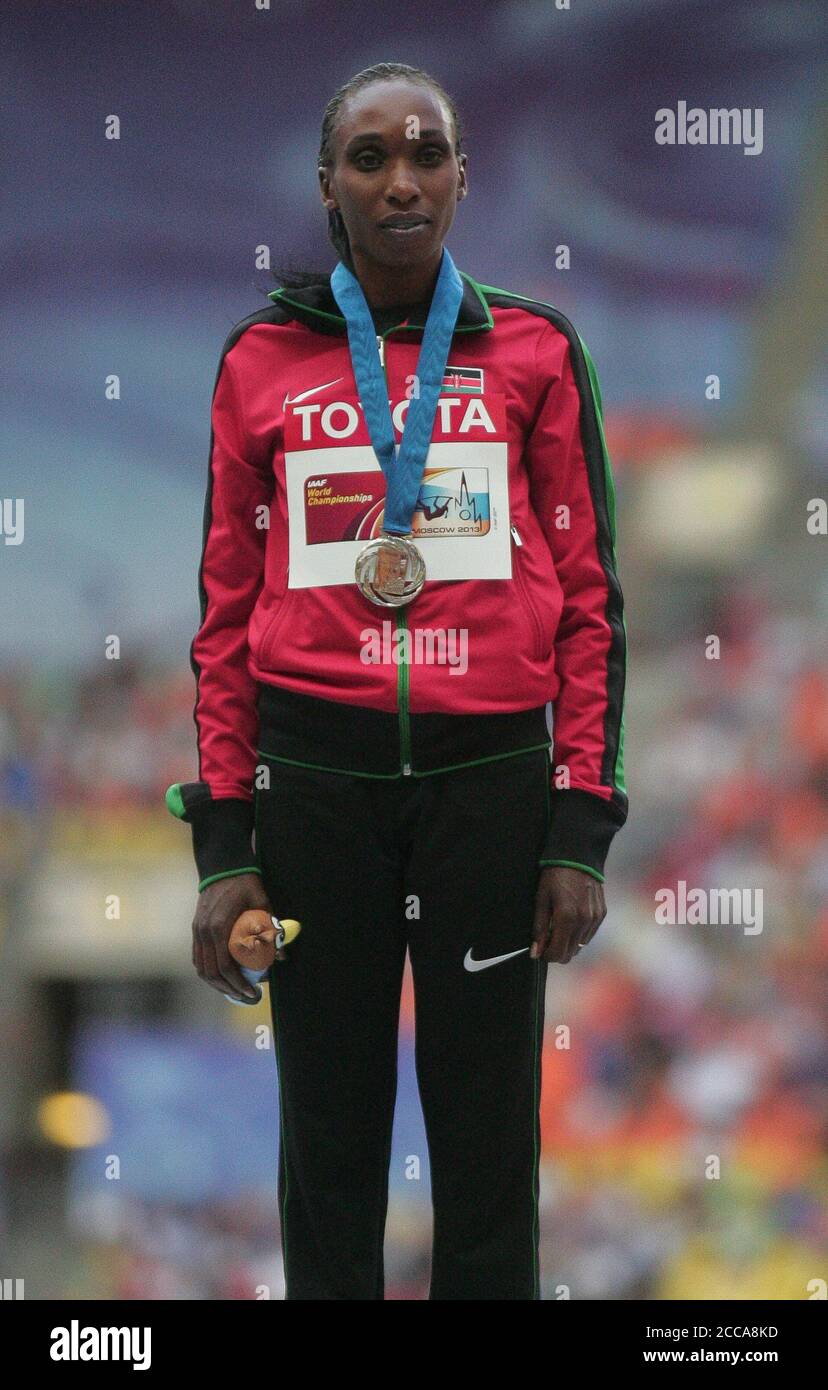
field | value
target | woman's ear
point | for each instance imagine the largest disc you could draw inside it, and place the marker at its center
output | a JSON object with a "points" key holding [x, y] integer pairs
{"points": [[462, 187], [325, 187]]}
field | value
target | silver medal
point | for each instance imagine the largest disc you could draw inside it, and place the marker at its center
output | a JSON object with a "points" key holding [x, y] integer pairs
{"points": [[390, 571]]}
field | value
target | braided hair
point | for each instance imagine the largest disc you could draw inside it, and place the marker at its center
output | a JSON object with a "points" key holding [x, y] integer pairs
{"points": [[379, 72]]}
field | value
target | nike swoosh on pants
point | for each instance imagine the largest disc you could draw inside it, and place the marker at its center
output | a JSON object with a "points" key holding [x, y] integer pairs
{"points": [[493, 960]]}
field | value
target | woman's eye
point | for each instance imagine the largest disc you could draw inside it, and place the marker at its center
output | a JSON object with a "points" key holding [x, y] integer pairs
{"points": [[431, 154]]}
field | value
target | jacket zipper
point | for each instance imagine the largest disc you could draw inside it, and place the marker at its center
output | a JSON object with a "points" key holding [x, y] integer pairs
{"points": [[402, 625], [402, 704], [522, 586]]}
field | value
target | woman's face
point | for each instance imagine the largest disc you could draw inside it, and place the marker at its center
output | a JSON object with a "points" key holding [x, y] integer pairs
{"points": [[394, 158]]}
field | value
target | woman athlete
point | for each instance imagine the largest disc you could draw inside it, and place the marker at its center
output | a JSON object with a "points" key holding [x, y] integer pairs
{"points": [[408, 561]]}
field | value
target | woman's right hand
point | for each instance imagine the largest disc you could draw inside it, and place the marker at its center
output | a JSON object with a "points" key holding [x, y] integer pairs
{"points": [[219, 904]]}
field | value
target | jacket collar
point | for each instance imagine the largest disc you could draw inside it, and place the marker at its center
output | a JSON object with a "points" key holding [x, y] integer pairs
{"points": [[315, 306]]}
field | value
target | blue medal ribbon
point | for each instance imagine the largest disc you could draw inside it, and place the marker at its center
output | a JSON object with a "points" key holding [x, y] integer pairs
{"points": [[403, 471]]}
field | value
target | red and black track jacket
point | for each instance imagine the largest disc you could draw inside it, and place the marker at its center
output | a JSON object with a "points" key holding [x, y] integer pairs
{"points": [[293, 663]]}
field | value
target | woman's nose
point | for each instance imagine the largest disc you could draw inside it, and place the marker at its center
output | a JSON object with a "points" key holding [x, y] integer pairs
{"points": [[402, 186]]}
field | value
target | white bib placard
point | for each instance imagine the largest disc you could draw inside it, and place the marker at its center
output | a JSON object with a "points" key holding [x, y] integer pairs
{"points": [[336, 491]]}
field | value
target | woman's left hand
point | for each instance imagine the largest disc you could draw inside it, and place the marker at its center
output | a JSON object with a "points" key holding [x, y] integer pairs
{"points": [[569, 909]]}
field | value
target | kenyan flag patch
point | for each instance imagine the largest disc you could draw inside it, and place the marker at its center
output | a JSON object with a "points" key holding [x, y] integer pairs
{"points": [[463, 379]]}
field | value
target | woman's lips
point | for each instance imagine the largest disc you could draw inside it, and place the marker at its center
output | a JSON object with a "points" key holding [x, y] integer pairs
{"points": [[406, 231]]}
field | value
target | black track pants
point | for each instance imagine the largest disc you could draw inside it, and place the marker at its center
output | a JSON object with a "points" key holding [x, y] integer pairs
{"points": [[344, 854]]}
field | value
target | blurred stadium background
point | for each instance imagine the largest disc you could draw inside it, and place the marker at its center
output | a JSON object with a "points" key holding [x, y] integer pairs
{"points": [[136, 257]]}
